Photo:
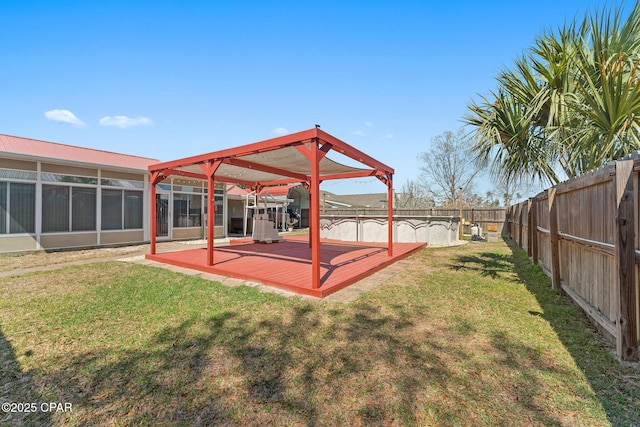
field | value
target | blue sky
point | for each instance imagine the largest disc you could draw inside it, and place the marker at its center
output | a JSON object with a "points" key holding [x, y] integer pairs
{"points": [[169, 79]]}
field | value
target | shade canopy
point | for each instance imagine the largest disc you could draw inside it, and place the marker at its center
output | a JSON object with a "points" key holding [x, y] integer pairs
{"points": [[280, 160], [297, 157]]}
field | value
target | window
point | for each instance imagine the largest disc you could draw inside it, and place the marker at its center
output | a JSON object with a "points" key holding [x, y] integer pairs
{"points": [[121, 209], [122, 183], [56, 177], [55, 208], [16, 174], [83, 209], [218, 200], [133, 202], [187, 210], [111, 209], [18, 206], [68, 208], [3, 208], [22, 199]]}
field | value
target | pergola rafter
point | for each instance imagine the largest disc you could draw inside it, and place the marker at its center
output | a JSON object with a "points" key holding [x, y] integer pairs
{"points": [[295, 158]]}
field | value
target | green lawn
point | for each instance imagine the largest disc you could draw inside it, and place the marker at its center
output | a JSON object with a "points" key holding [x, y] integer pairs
{"points": [[470, 335]]}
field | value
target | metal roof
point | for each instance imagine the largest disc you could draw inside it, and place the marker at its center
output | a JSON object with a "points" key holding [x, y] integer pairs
{"points": [[279, 190], [33, 149], [234, 190]]}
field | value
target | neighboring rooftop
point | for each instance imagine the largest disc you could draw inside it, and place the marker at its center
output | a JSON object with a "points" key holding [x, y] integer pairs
{"points": [[27, 148]]}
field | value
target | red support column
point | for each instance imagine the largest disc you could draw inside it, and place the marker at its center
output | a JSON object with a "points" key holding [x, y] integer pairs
{"points": [[311, 215], [210, 218], [314, 215], [210, 169], [152, 214], [390, 213], [314, 153]]}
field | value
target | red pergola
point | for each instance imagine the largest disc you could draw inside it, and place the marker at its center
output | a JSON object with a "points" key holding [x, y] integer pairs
{"points": [[295, 158]]}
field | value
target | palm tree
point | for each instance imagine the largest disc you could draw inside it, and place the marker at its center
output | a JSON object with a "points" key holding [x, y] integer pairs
{"points": [[608, 88], [571, 104], [506, 139]]}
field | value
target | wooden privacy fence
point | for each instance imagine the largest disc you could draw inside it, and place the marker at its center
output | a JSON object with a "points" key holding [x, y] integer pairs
{"points": [[584, 234]]}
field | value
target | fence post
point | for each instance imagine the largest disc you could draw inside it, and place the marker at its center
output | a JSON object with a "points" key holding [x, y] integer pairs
{"points": [[553, 234], [627, 339], [507, 224], [520, 205], [512, 227], [529, 229], [534, 232]]}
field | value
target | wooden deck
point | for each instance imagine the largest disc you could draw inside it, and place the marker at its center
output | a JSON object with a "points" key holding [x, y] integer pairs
{"points": [[287, 265]]}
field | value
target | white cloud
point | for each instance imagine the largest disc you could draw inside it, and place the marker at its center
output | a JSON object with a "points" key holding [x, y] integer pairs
{"points": [[124, 122], [64, 116], [280, 131], [368, 124], [359, 133], [389, 136]]}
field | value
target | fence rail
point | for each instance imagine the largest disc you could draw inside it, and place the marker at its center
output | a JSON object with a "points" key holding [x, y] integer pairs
{"points": [[584, 234]]}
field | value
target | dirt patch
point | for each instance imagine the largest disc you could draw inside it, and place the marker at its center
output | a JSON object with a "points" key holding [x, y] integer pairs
{"points": [[68, 280]]}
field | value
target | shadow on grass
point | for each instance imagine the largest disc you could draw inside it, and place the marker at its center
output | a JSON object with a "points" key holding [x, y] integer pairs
{"points": [[488, 264], [616, 385], [356, 366], [18, 387]]}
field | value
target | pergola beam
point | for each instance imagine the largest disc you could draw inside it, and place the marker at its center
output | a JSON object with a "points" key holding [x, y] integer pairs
{"points": [[354, 153], [264, 168], [168, 172], [347, 175]]}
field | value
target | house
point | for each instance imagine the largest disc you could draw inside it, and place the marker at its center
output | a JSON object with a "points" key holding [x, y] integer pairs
{"points": [[57, 196]]}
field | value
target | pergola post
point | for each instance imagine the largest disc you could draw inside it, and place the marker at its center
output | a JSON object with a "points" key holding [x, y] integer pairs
{"points": [[314, 215], [155, 178], [153, 214], [390, 213], [387, 179], [311, 215], [209, 169]]}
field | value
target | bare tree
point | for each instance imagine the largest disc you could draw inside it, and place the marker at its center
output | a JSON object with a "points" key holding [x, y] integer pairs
{"points": [[510, 189], [449, 166], [413, 195]]}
